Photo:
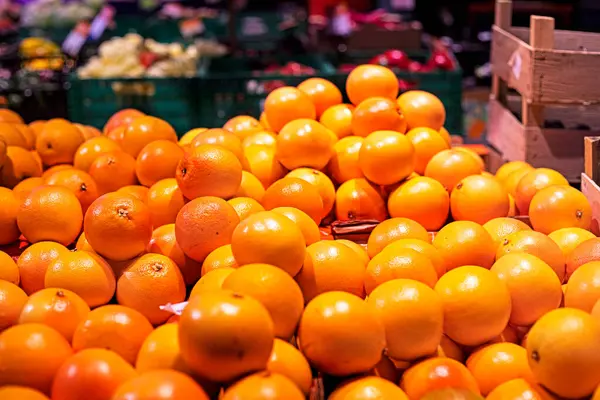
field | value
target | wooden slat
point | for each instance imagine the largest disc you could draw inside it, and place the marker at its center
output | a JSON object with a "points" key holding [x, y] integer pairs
{"points": [[592, 192], [511, 60], [566, 40], [542, 38], [592, 157], [505, 132]]}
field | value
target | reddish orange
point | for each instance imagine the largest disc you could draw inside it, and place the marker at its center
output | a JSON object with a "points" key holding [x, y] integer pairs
{"points": [[113, 170], [79, 182], [157, 160], [161, 384], [263, 385], [91, 149], [12, 301], [34, 262], [533, 182], [121, 118]]}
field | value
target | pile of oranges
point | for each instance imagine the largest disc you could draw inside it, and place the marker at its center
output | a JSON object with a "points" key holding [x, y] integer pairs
{"points": [[471, 286]]}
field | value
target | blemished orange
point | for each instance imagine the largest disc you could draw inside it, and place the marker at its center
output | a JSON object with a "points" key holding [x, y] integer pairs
{"points": [[189, 136], [427, 143], [113, 170], [286, 104], [12, 301], [422, 109], [91, 149], [250, 187], [237, 324], [338, 119], [60, 309], [244, 125], [583, 288], [476, 305], [518, 389], [262, 138], [270, 238], [563, 348], [10, 116], [367, 81], [30, 355], [360, 251], [588, 250], [412, 315], [423, 247], [275, 289], [165, 200], [421, 199], [161, 384], [386, 157], [144, 130], [210, 217], [536, 244], [19, 165], [558, 207], [322, 93], [339, 335], [118, 226], [434, 374], [245, 206], [534, 181], [209, 170], [394, 229], [33, 263], [310, 229], [569, 238], [506, 169], [113, 327], [377, 114], [121, 118], [50, 213], [23, 188], [211, 281], [8, 269], [58, 142], [399, 263], [465, 243], [161, 350], [149, 282], [79, 182], [290, 362], [295, 192], [498, 363], [479, 198], [331, 266], [370, 387], [534, 287], [321, 181], [449, 167], [9, 230], [138, 191], [157, 160], [358, 199], [13, 392], [500, 228], [262, 385], [261, 162], [343, 165], [221, 257], [304, 143]]}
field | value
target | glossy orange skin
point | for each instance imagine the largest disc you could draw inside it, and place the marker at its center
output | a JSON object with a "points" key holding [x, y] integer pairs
{"points": [[367, 81], [368, 388], [264, 385], [533, 182], [295, 192], [304, 143], [211, 281], [161, 350], [7, 115], [91, 149], [290, 362], [221, 257], [518, 389], [165, 200], [569, 238], [19, 165], [220, 137], [423, 247], [286, 104], [261, 162], [386, 157], [23, 188], [465, 243], [138, 191], [587, 251], [358, 199], [9, 230], [427, 143], [144, 130], [8, 269], [55, 168], [58, 142], [12, 301], [506, 169], [243, 126], [262, 138], [12, 392], [422, 109], [559, 206], [34, 262], [394, 229], [113, 170], [583, 288], [338, 118], [310, 229], [157, 160], [121, 118], [79, 182], [500, 228], [377, 114], [158, 385], [322, 93], [251, 187], [479, 199]]}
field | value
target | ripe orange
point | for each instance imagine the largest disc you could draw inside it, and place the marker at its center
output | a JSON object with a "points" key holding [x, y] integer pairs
{"points": [[534, 181], [244, 125], [343, 165], [264, 385], [386, 157], [500, 228], [412, 315], [422, 109], [8, 269], [569, 238], [117, 135], [11, 136], [427, 143], [30, 355], [359, 199], [449, 167], [55, 168], [121, 118], [564, 352], [221, 257], [286, 104], [324, 339], [295, 192], [211, 218], [261, 162], [476, 305], [189, 136], [583, 288], [370, 387], [518, 389], [118, 226], [250, 187], [262, 138], [290, 362], [377, 114], [23, 188], [219, 137], [309, 228], [394, 229], [161, 350], [512, 181], [157, 160], [88, 131], [369, 81], [113, 170], [58, 142], [321, 182], [245, 206], [160, 385], [33, 263], [360, 251], [164, 201], [91, 149], [37, 126], [79, 182], [423, 247], [585, 252], [12, 392], [506, 169], [304, 143], [338, 119], [28, 134], [322, 93], [211, 281], [7, 115], [19, 165], [477, 157], [12, 301], [448, 348], [534, 287], [536, 244], [144, 130], [138, 191], [465, 243], [209, 170], [479, 198], [9, 230], [559, 206], [238, 325]]}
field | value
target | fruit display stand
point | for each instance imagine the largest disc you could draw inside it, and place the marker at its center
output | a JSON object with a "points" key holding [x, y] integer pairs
{"points": [[554, 73], [590, 179]]}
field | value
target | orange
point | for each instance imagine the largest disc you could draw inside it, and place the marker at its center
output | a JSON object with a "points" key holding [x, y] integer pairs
{"points": [[209, 170], [369, 81], [339, 335], [264, 385], [569, 238], [532, 183], [510, 333], [377, 114], [50, 213], [244, 125], [465, 243], [583, 288], [360, 251], [448, 348], [422, 109], [28, 134], [557, 207], [423, 247], [211, 281], [331, 266], [7, 115], [427, 143], [275, 290], [221, 257], [290, 362], [264, 138], [421, 199], [37, 126], [286, 104], [8, 269], [394, 229], [189, 136], [12, 392], [359, 199], [237, 325], [446, 135], [260, 161], [23, 188], [60, 309], [370, 387], [343, 165], [506, 169], [250, 187], [19, 165], [157, 160], [477, 157], [518, 389], [412, 315], [338, 119], [160, 385], [88, 131], [304, 143], [12, 301], [34, 262], [58, 142], [399, 263], [211, 218], [79, 182], [449, 167], [534, 287], [11, 136], [322, 93], [321, 182], [113, 170], [386, 157], [386, 369], [295, 192], [164, 201], [309, 228], [498, 363], [117, 134], [245, 206], [118, 226], [163, 242], [564, 352], [512, 209], [55, 168], [9, 230], [137, 191], [161, 350], [588, 250], [479, 198], [512, 180], [264, 123], [121, 118], [220, 137], [500, 228], [270, 238], [476, 305], [536, 244], [144, 130], [30, 355]]}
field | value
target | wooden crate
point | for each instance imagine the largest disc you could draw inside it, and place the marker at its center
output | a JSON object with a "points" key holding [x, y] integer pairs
{"points": [[590, 180], [553, 72]]}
